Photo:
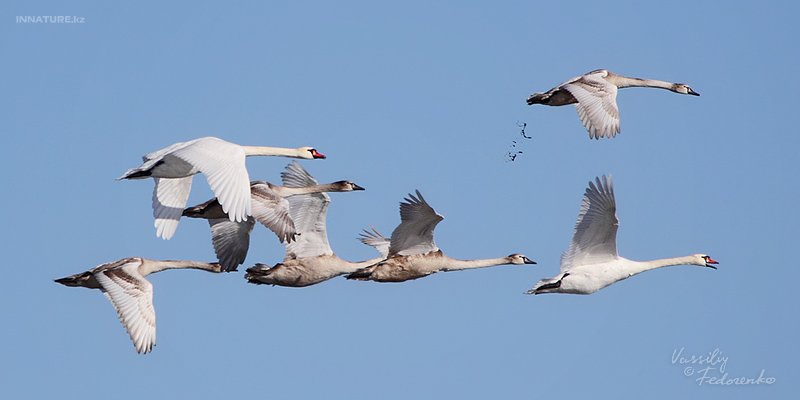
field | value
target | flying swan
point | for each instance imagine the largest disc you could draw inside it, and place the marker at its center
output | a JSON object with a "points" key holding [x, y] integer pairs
{"points": [[595, 97], [123, 283], [270, 207], [309, 259], [592, 262], [413, 253], [224, 167]]}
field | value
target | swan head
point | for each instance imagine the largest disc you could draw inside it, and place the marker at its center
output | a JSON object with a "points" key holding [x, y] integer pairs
{"points": [[704, 261], [519, 259], [309, 153], [346, 186], [684, 89]]}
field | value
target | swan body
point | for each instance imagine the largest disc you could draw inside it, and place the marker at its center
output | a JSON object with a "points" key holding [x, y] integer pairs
{"points": [[123, 283], [304, 271], [270, 207], [595, 97], [592, 263], [413, 253], [309, 259], [223, 164]]}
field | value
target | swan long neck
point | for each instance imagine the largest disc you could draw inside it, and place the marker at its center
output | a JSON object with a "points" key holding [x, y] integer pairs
{"points": [[458, 265], [624, 81], [285, 191], [153, 266], [641, 266], [271, 151]]}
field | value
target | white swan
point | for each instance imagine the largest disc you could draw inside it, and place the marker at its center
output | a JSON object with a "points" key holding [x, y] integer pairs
{"points": [[123, 283], [595, 97], [592, 262], [231, 239], [413, 253], [223, 165], [309, 259]]}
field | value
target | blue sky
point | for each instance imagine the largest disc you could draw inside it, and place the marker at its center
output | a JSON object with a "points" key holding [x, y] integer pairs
{"points": [[412, 95]]}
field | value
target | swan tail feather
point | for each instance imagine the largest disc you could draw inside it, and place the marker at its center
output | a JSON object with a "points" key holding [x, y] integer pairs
{"points": [[258, 271], [74, 280], [136, 174], [362, 274], [545, 286], [538, 98]]}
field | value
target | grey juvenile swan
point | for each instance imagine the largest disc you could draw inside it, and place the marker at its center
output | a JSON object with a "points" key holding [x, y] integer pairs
{"points": [[595, 97], [309, 258], [592, 262], [231, 239], [223, 165], [413, 253], [123, 283]]}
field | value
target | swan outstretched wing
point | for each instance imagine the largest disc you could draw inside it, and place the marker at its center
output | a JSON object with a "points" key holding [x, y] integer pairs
{"points": [[597, 104], [231, 241], [132, 296], [169, 198], [223, 164], [297, 176], [376, 240], [308, 212], [595, 237], [272, 211], [414, 235]]}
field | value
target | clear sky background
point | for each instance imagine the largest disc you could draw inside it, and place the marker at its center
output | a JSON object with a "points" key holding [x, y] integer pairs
{"points": [[403, 96]]}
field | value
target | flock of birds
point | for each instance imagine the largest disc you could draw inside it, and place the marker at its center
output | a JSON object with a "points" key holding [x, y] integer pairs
{"points": [[296, 213]]}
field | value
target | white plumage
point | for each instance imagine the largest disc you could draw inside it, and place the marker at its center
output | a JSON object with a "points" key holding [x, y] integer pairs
{"points": [[592, 263], [223, 164]]}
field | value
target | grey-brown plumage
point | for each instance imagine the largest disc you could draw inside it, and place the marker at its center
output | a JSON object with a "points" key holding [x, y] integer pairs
{"points": [[413, 253], [595, 97], [270, 207], [309, 259], [124, 285]]}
